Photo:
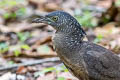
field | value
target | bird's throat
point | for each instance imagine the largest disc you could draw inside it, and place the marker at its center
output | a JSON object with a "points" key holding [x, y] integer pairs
{"points": [[67, 41], [66, 45]]}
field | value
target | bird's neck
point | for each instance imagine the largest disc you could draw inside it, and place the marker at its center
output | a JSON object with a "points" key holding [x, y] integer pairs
{"points": [[66, 41], [67, 45]]}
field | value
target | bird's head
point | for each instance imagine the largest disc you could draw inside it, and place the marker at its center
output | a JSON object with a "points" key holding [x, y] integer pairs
{"points": [[60, 20]]}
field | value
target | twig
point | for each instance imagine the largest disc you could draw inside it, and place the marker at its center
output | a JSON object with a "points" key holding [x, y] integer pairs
{"points": [[55, 59], [31, 55]]}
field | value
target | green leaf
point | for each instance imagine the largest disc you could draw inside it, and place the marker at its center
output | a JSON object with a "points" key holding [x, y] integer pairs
{"points": [[17, 53], [3, 47], [60, 78], [25, 46], [12, 2], [6, 15], [11, 62], [61, 68], [46, 70], [21, 11], [87, 19], [23, 36], [65, 69], [12, 15], [43, 49], [9, 15], [117, 3], [98, 38]]}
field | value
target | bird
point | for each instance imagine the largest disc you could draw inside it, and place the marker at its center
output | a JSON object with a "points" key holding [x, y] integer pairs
{"points": [[84, 59]]}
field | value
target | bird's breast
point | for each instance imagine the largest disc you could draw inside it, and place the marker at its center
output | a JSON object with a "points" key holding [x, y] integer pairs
{"points": [[68, 54]]}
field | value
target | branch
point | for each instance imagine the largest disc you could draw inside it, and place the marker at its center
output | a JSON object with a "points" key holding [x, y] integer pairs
{"points": [[55, 59]]}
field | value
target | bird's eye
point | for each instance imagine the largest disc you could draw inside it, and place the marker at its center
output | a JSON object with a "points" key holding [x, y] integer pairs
{"points": [[54, 18]]}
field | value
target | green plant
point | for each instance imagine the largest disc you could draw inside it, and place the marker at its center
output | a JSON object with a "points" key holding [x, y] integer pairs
{"points": [[3, 47], [17, 49], [98, 38], [10, 62], [46, 70], [117, 3], [19, 11], [17, 53], [23, 36], [86, 19], [8, 3], [60, 78], [25, 46], [43, 49], [57, 69]]}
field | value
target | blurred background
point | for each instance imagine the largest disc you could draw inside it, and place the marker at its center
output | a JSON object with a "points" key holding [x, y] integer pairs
{"points": [[26, 51]]}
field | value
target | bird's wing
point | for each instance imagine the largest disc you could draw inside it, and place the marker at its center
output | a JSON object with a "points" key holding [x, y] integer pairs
{"points": [[102, 63]]}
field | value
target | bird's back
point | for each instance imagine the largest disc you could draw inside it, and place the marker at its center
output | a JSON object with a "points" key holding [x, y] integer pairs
{"points": [[101, 64], [87, 60]]}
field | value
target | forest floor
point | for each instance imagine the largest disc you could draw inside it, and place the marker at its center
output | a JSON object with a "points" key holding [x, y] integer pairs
{"points": [[26, 51]]}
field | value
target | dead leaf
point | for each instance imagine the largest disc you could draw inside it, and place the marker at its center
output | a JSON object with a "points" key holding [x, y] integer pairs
{"points": [[21, 70], [107, 30], [51, 7], [50, 76]]}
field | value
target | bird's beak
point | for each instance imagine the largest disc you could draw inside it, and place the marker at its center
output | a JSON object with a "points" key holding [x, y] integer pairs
{"points": [[42, 19]]}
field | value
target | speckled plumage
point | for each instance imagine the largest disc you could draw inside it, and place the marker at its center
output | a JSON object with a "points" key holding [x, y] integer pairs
{"points": [[87, 61]]}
